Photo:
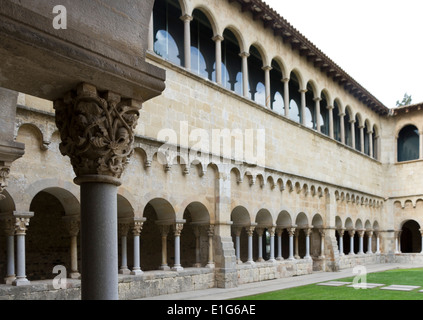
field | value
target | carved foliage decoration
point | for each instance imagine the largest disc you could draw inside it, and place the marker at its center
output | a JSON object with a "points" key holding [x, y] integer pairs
{"points": [[4, 174], [97, 131]]}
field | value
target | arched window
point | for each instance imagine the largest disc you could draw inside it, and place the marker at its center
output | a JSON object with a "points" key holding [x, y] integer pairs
{"points": [[324, 116], [168, 31], [256, 77], [310, 112], [408, 144], [294, 99], [276, 89], [336, 122], [231, 63], [203, 58]]}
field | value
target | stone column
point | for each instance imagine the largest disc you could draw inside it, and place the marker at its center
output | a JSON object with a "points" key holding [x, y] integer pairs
{"points": [[21, 226], [187, 40], [279, 232], [322, 243], [420, 145], [361, 236], [123, 233], [351, 233], [164, 230], [370, 133], [291, 232], [244, 56], [197, 232], [73, 225], [177, 229], [377, 234], [136, 231], [341, 122], [303, 106], [317, 111], [296, 246], [331, 126], [218, 41], [97, 133], [341, 241], [421, 233], [272, 244], [307, 234], [250, 231], [266, 70], [9, 228], [210, 233], [398, 241], [361, 138], [237, 232], [352, 128], [369, 242], [286, 95], [260, 243]]}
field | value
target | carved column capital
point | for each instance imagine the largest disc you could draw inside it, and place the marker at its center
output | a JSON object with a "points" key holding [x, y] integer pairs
{"points": [[21, 226], [97, 130], [291, 231], [72, 225], [250, 230], [4, 175], [137, 227], [123, 228], [210, 230], [177, 229]]}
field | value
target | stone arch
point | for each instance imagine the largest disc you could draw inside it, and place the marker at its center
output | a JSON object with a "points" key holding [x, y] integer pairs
{"points": [[284, 219], [411, 238], [194, 235], [36, 132], [210, 16]]}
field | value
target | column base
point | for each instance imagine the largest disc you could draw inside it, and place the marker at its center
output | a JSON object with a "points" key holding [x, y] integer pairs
{"points": [[250, 263], [21, 282], [136, 272], [164, 268], [271, 260], [239, 262], [210, 265], [177, 268], [308, 258], [279, 259], [125, 271], [75, 275], [260, 260], [9, 279]]}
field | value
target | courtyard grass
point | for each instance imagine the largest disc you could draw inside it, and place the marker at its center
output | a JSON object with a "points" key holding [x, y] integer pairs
{"points": [[412, 277]]}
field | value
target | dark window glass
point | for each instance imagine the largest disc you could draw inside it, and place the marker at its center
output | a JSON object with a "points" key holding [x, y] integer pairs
{"points": [[408, 144], [168, 31]]}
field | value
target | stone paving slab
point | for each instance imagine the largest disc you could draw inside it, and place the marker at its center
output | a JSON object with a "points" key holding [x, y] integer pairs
{"points": [[365, 285], [334, 283], [396, 287]]}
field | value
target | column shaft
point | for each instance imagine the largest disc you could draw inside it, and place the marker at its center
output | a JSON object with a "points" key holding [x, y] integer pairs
{"points": [[99, 250]]}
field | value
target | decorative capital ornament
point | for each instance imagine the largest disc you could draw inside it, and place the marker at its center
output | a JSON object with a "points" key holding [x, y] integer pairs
{"points": [[4, 175], [97, 130]]}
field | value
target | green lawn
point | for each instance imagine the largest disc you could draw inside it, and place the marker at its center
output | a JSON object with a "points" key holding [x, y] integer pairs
{"points": [[412, 277]]}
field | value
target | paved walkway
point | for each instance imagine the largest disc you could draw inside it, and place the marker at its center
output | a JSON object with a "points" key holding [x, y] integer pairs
{"points": [[274, 285]]}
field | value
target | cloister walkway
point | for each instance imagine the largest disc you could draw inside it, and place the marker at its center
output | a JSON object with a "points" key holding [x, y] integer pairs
{"points": [[278, 284]]}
